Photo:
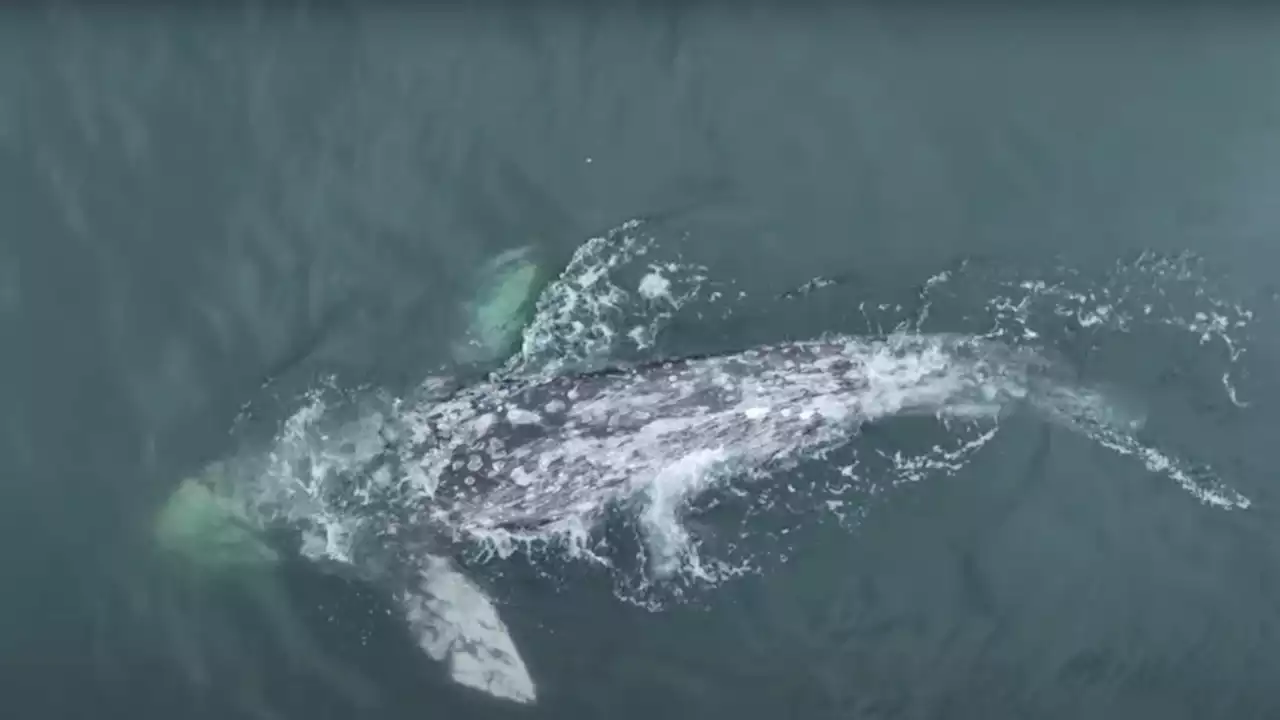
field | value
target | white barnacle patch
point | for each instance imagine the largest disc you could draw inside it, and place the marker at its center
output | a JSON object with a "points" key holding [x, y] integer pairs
{"points": [[521, 477], [520, 416], [483, 423], [554, 406], [755, 413], [474, 463], [832, 409]]}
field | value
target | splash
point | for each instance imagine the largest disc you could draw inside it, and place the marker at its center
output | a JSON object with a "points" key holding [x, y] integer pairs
{"points": [[606, 304], [1152, 291]]}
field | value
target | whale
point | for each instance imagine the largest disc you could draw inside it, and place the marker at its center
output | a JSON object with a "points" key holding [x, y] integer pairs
{"points": [[531, 451], [385, 494], [517, 452]]}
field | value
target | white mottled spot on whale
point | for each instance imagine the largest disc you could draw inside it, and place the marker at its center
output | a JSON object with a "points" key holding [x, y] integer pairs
{"points": [[755, 413], [520, 416], [521, 477], [474, 463], [483, 423]]}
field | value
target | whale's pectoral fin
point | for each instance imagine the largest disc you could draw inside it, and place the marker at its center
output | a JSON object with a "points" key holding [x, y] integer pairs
{"points": [[455, 622], [507, 289]]}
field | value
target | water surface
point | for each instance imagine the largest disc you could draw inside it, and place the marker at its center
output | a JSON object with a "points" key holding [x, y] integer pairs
{"points": [[197, 201]]}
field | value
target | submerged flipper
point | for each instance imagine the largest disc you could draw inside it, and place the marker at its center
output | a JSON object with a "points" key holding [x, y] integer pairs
{"points": [[453, 621], [507, 289]]}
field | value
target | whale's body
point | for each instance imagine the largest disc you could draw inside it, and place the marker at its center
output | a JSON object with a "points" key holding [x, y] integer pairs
{"points": [[524, 452], [383, 497]]}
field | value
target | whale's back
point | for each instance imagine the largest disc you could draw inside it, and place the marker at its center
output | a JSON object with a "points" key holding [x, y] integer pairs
{"points": [[512, 451]]}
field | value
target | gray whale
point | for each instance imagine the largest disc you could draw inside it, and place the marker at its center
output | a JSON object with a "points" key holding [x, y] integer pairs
{"points": [[384, 495], [524, 452]]}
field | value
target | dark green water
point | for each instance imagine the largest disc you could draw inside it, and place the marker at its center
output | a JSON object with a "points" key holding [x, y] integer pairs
{"points": [[195, 201]]}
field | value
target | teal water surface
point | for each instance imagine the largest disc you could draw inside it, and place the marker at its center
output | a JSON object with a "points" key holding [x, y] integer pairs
{"points": [[199, 201]]}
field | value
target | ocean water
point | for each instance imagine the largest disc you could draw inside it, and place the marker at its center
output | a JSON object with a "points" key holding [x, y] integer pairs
{"points": [[200, 202]]}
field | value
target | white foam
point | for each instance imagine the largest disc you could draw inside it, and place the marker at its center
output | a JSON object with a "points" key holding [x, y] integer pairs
{"points": [[585, 314], [654, 286], [1207, 488], [666, 494]]}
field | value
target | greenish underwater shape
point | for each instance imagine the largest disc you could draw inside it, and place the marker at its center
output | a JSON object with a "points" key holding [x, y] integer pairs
{"points": [[205, 524]]}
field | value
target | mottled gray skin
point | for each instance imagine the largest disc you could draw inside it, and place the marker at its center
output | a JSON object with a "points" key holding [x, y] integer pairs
{"points": [[523, 452]]}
